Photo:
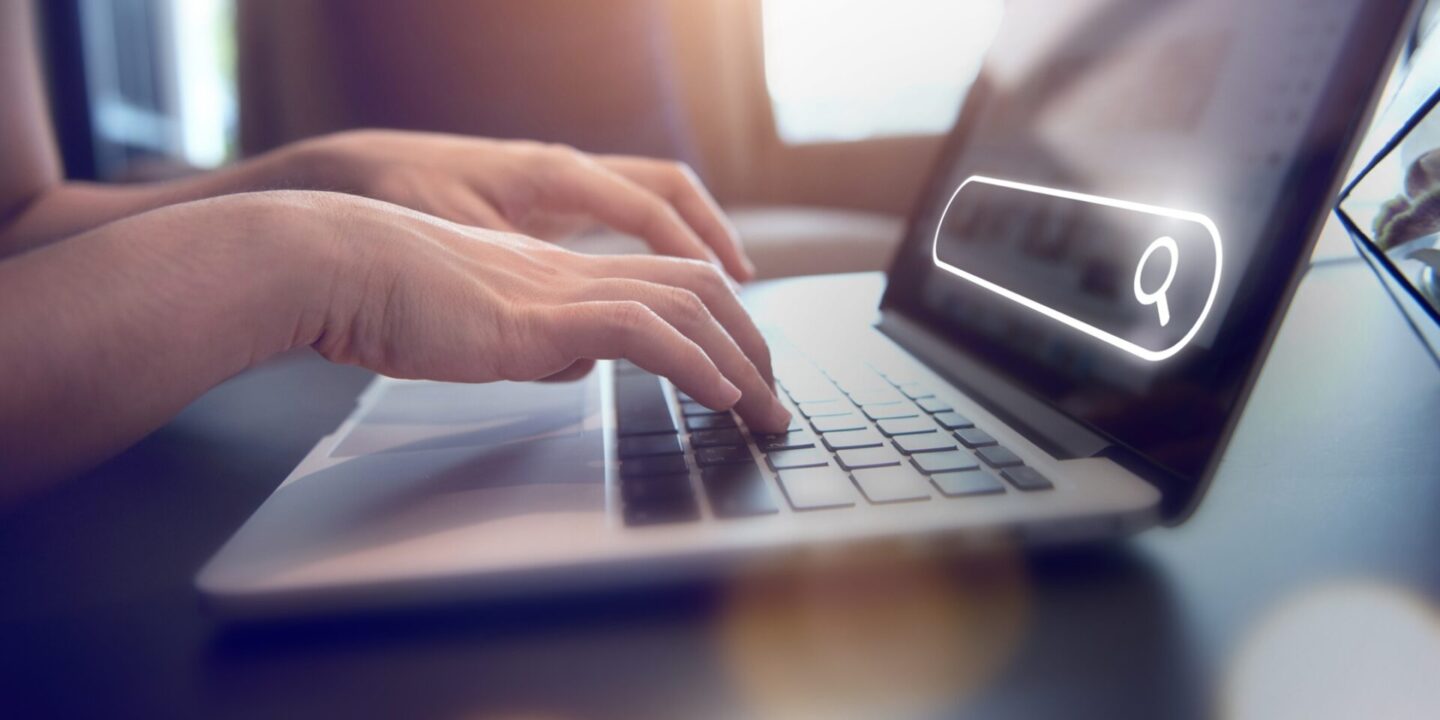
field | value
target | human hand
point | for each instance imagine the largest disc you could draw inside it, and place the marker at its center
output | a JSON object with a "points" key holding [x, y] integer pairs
{"points": [[415, 296], [545, 191]]}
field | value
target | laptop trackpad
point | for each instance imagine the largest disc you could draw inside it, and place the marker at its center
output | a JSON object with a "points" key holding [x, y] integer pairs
{"points": [[414, 416], [431, 465]]}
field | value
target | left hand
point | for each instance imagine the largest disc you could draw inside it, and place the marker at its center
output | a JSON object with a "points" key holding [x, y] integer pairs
{"points": [[545, 191]]}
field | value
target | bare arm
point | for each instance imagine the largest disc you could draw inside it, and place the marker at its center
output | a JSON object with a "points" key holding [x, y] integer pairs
{"points": [[106, 335]]}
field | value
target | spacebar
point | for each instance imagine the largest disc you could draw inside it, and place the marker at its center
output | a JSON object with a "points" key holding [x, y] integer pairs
{"points": [[640, 405]]}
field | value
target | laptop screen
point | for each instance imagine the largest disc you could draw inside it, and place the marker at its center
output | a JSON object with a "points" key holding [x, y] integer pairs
{"points": [[1131, 189]]}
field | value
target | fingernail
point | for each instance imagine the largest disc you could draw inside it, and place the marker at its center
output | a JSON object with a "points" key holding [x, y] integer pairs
{"points": [[731, 392], [779, 412]]}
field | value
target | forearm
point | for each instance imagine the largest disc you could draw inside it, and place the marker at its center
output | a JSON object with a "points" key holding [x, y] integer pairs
{"points": [[70, 208], [105, 336]]}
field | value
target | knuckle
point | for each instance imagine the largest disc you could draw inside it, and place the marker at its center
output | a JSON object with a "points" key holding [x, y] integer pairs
{"points": [[688, 308]]}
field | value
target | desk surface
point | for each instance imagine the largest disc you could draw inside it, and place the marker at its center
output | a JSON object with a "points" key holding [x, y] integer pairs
{"points": [[1310, 566]]}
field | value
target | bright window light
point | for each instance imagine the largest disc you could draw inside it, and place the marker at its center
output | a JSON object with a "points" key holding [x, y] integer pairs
{"points": [[842, 70], [204, 52]]}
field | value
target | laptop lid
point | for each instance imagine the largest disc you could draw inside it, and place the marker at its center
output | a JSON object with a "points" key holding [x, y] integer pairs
{"points": [[1124, 208]]}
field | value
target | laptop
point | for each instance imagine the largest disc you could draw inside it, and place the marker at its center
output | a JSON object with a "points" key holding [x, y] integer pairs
{"points": [[1085, 293]]}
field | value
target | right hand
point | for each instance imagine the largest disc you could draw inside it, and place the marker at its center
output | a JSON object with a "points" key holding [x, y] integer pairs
{"points": [[414, 296]]}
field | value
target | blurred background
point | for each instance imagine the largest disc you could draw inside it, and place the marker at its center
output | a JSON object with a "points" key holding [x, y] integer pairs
{"points": [[829, 129]]}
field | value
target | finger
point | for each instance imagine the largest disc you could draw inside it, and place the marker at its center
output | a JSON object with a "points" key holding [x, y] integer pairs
{"points": [[677, 183], [703, 280], [632, 331], [579, 184], [686, 312], [575, 371]]}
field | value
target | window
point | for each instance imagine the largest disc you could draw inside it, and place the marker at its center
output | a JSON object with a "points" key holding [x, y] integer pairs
{"points": [[842, 70]]}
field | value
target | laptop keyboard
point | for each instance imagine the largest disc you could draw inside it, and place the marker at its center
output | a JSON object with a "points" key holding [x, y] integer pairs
{"points": [[859, 436]]}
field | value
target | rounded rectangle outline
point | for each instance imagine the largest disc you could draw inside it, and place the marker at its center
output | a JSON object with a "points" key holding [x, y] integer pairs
{"points": [[1052, 313]]}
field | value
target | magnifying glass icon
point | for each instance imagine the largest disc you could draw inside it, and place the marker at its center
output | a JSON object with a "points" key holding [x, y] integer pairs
{"points": [[1157, 298]]}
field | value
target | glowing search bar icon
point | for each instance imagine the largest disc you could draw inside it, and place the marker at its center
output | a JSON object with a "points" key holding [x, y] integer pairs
{"points": [[1043, 248]]}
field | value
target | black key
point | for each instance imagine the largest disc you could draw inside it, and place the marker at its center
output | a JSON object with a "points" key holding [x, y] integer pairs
{"points": [[825, 408], [669, 510], [817, 488], [998, 457], [640, 405], [938, 462], [915, 391], [974, 437], [716, 438], [642, 445], [655, 488], [906, 426], [952, 420], [861, 458], [853, 439], [1027, 478], [738, 491], [838, 423], [809, 457], [706, 457], [933, 405], [785, 441], [654, 465], [691, 409], [888, 485], [962, 484], [928, 442], [887, 412], [709, 422]]}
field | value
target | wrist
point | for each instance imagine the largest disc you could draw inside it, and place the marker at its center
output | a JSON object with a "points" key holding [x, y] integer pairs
{"points": [[284, 255]]}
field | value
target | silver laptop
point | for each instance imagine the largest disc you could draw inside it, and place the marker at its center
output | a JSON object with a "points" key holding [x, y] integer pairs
{"points": [[1084, 295]]}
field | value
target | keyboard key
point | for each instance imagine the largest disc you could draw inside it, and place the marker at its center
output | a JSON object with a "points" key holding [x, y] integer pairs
{"points": [[933, 405], [668, 510], [817, 488], [691, 409], [654, 465], [640, 404], [808, 457], [974, 437], [826, 408], [738, 491], [867, 458], [853, 439], [998, 457], [887, 412], [914, 391], [952, 420], [643, 445], [785, 441], [716, 438], [930, 463], [654, 488], [876, 396], [928, 442], [812, 393], [889, 485], [906, 426], [838, 423], [709, 422], [963, 484], [706, 457], [1027, 478]]}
